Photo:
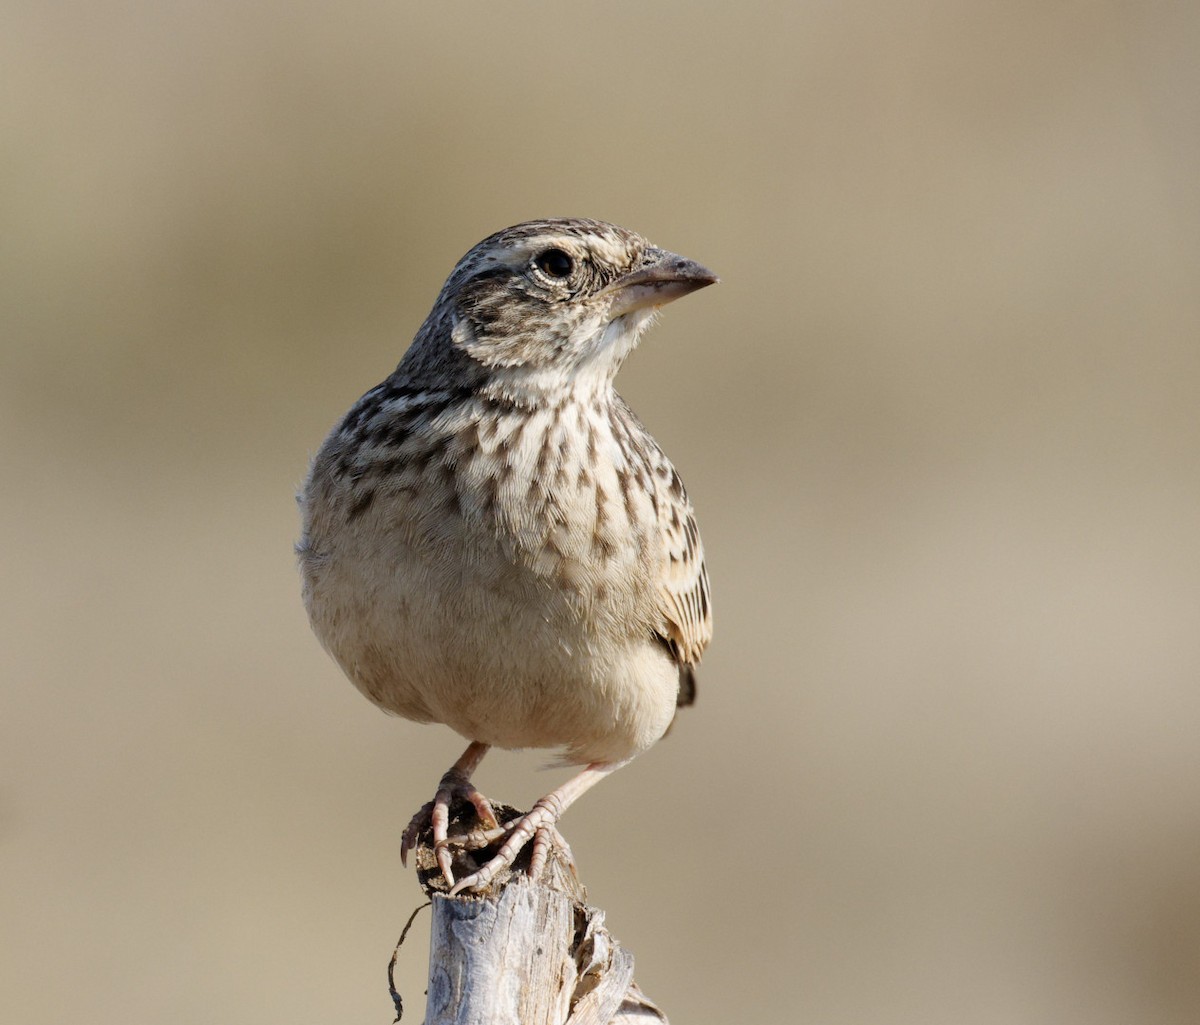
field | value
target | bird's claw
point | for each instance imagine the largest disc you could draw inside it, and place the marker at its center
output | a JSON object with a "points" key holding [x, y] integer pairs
{"points": [[435, 817], [537, 826]]}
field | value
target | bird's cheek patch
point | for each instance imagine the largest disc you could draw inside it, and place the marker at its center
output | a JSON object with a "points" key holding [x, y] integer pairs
{"points": [[537, 345]]}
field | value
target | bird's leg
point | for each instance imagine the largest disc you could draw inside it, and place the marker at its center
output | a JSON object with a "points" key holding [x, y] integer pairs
{"points": [[436, 814], [537, 824]]}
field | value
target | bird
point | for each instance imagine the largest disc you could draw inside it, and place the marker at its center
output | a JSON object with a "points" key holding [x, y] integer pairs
{"points": [[492, 540]]}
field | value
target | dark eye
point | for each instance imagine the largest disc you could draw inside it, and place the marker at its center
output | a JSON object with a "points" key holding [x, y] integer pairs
{"points": [[555, 263]]}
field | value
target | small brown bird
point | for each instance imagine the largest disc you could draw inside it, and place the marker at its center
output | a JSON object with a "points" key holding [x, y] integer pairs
{"points": [[493, 541]]}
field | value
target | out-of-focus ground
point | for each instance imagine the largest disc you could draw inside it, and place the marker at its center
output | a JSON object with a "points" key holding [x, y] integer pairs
{"points": [[940, 422]]}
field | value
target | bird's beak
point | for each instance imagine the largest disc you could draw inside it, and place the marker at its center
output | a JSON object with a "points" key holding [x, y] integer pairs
{"points": [[665, 279]]}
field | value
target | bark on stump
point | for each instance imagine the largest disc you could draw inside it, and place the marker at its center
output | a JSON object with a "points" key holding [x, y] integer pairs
{"points": [[525, 951]]}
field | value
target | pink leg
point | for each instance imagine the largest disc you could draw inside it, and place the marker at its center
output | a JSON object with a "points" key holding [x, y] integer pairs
{"points": [[540, 819], [436, 814]]}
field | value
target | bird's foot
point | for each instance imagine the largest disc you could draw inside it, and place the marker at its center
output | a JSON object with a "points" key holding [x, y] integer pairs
{"points": [[435, 817], [538, 826]]}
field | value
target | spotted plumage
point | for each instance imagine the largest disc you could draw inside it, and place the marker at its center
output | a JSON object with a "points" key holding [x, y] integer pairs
{"points": [[491, 538]]}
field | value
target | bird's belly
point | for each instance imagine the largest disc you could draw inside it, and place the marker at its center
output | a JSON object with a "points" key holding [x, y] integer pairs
{"points": [[500, 657]]}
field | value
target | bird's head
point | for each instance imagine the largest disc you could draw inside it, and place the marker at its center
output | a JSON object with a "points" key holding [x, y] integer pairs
{"points": [[547, 304]]}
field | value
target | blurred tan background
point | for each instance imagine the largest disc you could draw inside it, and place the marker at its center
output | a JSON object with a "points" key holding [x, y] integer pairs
{"points": [[939, 421]]}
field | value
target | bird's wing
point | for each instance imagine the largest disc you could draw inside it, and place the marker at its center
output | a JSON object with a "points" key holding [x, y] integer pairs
{"points": [[685, 626], [683, 593]]}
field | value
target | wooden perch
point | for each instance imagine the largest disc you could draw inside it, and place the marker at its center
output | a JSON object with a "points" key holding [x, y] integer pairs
{"points": [[525, 951]]}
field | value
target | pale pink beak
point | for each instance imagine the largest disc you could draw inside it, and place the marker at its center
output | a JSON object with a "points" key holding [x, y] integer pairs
{"points": [[669, 277]]}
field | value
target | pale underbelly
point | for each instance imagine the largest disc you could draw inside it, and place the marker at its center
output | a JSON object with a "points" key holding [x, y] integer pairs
{"points": [[514, 665]]}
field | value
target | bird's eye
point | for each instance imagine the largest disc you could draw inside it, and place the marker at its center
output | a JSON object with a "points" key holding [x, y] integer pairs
{"points": [[554, 263]]}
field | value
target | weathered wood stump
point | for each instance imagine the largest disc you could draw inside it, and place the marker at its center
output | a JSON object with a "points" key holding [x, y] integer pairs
{"points": [[524, 951]]}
